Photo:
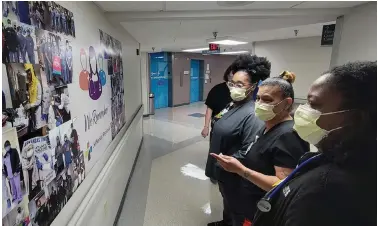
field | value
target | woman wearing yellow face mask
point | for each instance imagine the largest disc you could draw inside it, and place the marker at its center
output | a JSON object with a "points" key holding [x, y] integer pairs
{"points": [[235, 127], [338, 185], [275, 151]]}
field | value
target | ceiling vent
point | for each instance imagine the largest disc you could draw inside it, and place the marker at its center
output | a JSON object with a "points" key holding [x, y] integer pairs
{"points": [[233, 3]]}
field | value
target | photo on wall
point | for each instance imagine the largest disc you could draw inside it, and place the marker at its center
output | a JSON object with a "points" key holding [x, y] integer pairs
{"points": [[46, 15], [112, 49], [23, 91], [55, 53], [14, 190], [30, 103], [38, 164], [19, 42], [18, 215]]}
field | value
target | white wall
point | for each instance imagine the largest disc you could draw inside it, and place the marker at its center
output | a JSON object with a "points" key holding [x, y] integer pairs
{"points": [[97, 199], [358, 39], [145, 81], [303, 56]]}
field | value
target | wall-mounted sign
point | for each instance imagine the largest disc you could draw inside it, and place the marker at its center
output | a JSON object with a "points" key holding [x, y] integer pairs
{"points": [[186, 72], [327, 34], [211, 51], [213, 47]]}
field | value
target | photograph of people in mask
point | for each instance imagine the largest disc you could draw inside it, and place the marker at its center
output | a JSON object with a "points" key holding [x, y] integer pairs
{"points": [[10, 41], [13, 187], [55, 53], [79, 171], [112, 49], [59, 109], [17, 10], [57, 150], [45, 15], [18, 216], [63, 21], [19, 42], [39, 210], [42, 172], [65, 132], [25, 95]]}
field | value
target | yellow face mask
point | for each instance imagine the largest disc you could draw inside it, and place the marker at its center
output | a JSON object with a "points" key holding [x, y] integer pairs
{"points": [[305, 119]]}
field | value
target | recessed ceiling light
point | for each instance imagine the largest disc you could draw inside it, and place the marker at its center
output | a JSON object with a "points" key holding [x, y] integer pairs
{"points": [[234, 52], [196, 50]]}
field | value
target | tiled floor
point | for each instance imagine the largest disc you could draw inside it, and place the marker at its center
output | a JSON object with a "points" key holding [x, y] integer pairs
{"points": [[169, 186]]}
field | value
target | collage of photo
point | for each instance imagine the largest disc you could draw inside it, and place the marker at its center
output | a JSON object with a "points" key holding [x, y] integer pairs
{"points": [[40, 177], [112, 50], [43, 163], [46, 15]]}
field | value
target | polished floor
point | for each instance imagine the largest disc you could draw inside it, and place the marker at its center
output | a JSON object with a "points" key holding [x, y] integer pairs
{"points": [[169, 186], [179, 192]]}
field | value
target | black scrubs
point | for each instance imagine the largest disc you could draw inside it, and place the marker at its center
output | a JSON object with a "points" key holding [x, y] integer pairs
{"points": [[233, 132], [324, 193], [217, 100], [280, 146]]}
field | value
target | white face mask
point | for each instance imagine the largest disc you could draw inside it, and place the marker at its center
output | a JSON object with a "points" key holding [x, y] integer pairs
{"points": [[305, 119], [265, 111], [238, 94]]}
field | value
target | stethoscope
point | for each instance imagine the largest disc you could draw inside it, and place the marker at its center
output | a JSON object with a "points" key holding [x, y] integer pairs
{"points": [[264, 204]]}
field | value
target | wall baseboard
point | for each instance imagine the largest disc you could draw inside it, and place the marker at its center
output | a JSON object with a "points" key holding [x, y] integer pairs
{"points": [[127, 185], [91, 204], [179, 105]]}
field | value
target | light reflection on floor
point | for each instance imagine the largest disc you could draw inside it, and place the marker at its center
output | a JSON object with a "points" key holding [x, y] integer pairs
{"points": [[193, 171]]}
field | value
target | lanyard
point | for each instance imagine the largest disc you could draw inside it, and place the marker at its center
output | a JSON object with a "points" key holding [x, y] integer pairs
{"points": [[264, 204]]}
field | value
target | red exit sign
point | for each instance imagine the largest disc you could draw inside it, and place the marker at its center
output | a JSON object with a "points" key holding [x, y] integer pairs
{"points": [[213, 47]]}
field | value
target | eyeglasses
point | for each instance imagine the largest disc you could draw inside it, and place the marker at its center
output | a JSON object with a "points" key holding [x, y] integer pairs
{"points": [[238, 85]]}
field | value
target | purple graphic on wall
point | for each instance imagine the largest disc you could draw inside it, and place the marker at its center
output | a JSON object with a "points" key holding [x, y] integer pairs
{"points": [[95, 88], [94, 78]]}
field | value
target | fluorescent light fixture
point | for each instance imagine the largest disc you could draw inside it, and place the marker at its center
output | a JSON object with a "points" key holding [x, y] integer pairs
{"points": [[234, 52], [196, 50], [228, 41]]}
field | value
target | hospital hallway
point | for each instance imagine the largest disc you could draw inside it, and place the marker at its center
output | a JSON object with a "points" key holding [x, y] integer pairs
{"points": [[169, 186]]}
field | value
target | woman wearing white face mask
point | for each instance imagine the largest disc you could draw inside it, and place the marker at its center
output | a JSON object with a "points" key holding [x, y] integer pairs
{"points": [[275, 149], [235, 127]]}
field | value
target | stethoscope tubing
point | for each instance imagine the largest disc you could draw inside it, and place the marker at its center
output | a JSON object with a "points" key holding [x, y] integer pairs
{"points": [[274, 191]]}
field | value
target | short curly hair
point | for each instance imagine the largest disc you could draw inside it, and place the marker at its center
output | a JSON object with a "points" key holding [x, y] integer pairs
{"points": [[257, 68]]}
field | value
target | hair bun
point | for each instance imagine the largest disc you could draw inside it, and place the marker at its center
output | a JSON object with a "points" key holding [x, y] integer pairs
{"points": [[288, 76]]}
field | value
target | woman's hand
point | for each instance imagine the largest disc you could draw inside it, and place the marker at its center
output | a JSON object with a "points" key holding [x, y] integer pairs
{"points": [[205, 132], [229, 163]]}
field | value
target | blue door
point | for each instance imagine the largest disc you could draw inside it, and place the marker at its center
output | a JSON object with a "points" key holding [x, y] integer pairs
{"points": [[159, 79], [194, 81]]}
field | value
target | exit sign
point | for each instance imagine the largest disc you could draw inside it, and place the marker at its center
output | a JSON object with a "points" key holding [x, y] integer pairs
{"points": [[213, 47]]}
